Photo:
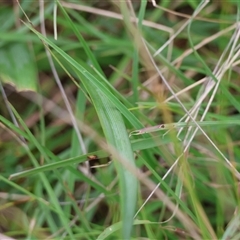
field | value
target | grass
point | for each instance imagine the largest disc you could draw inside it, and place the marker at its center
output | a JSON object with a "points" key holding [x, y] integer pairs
{"points": [[158, 96]]}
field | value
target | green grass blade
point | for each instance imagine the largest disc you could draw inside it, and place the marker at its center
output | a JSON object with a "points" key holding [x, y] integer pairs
{"points": [[116, 135], [43, 178], [96, 83]]}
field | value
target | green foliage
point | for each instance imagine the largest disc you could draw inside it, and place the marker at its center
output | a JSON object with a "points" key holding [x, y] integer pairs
{"points": [[105, 91]]}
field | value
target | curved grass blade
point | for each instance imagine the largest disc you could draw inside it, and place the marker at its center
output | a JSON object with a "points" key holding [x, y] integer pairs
{"points": [[116, 135]]}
